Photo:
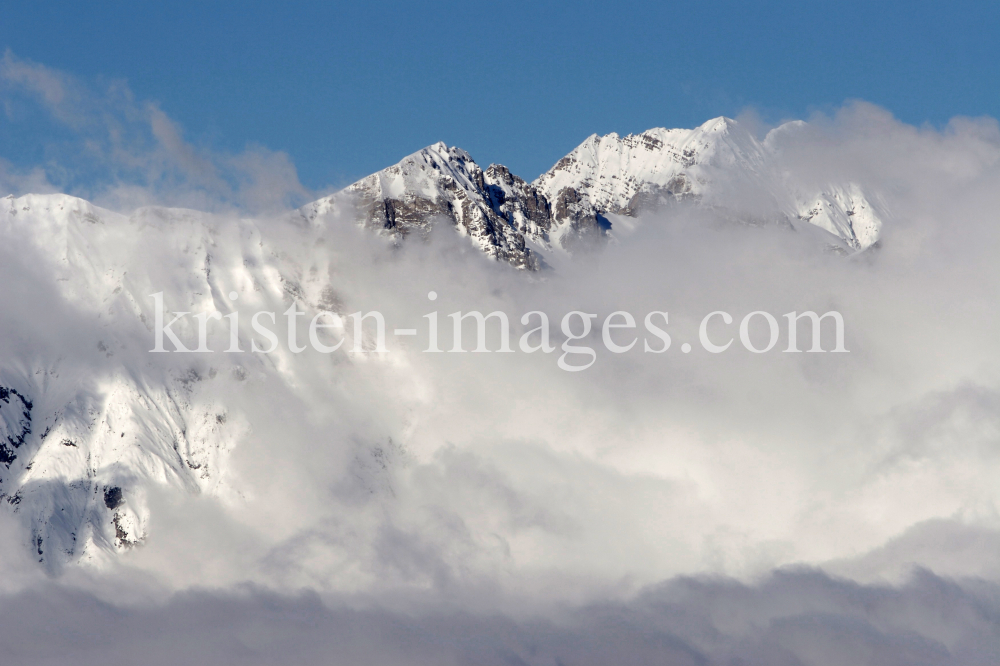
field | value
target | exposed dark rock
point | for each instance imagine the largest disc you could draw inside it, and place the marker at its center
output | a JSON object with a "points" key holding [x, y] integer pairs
{"points": [[461, 196], [519, 203], [15, 423], [113, 497], [588, 228]]}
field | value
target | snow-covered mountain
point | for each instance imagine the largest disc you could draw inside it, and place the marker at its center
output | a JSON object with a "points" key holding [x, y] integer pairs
{"points": [[88, 427], [623, 174], [439, 182], [87, 432], [572, 206]]}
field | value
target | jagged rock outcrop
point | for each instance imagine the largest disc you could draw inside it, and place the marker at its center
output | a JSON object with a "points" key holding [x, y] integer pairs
{"points": [[519, 203], [438, 183], [15, 423]]}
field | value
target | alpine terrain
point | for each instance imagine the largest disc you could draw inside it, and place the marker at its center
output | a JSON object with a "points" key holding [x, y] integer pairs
{"points": [[90, 430]]}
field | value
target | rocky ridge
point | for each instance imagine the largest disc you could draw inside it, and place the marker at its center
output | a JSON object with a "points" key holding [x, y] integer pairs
{"points": [[572, 207]]}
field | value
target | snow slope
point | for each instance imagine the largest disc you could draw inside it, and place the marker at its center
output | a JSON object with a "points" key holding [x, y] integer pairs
{"points": [[89, 420]]}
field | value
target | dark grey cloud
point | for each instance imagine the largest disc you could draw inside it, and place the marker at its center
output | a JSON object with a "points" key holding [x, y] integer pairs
{"points": [[793, 618]]}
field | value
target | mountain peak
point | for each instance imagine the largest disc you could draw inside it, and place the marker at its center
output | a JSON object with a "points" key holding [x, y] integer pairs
{"points": [[720, 124], [606, 175]]}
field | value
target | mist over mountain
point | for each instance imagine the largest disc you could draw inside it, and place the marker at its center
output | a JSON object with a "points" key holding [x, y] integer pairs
{"points": [[433, 497]]}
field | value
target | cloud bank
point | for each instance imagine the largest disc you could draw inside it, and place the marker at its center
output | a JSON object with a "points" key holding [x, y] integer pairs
{"points": [[790, 618]]}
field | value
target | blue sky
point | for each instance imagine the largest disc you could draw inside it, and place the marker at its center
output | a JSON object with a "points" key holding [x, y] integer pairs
{"points": [[346, 89]]}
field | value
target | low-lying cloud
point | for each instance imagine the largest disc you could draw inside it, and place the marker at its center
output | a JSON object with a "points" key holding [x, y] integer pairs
{"points": [[794, 617], [491, 508]]}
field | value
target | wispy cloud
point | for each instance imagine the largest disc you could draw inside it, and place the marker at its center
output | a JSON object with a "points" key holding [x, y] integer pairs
{"points": [[124, 152]]}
